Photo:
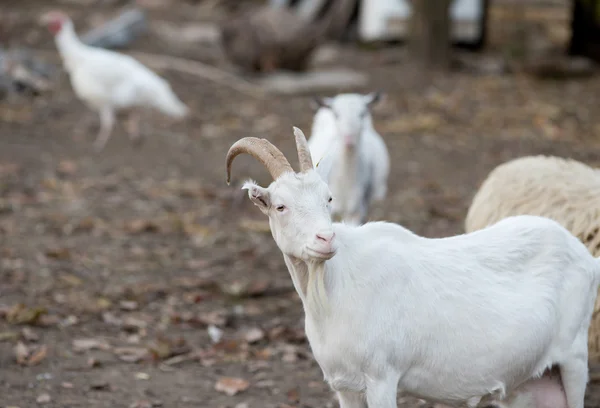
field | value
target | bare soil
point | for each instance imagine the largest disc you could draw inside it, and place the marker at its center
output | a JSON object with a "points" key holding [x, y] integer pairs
{"points": [[114, 265]]}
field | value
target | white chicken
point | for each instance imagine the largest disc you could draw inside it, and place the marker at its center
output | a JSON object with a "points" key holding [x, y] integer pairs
{"points": [[108, 81]]}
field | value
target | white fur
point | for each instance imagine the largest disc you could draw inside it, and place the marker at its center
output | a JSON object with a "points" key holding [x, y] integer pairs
{"points": [[562, 189], [357, 177], [460, 321]]}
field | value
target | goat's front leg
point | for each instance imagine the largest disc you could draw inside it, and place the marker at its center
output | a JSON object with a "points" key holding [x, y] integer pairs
{"points": [[381, 393], [351, 399], [574, 375]]}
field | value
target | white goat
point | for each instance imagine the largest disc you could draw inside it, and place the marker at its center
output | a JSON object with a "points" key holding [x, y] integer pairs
{"points": [[562, 189], [354, 153], [460, 320]]}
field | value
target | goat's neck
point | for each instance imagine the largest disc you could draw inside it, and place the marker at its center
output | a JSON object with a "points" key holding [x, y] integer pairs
{"points": [[347, 164], [349, 157]]}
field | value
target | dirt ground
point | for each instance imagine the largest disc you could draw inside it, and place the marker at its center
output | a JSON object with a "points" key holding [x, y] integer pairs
{"points": [[118, 268]]}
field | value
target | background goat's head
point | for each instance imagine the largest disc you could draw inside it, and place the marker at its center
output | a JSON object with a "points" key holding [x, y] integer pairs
{"points": [[351, 112], [297, 204]]}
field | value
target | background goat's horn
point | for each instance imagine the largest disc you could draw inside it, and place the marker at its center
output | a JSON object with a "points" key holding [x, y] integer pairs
{"points": [[304, 157], [263, 151]]}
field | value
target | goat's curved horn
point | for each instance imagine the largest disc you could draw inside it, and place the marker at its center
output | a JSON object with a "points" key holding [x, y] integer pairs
{"points": [[304, 157], [263, 151]]}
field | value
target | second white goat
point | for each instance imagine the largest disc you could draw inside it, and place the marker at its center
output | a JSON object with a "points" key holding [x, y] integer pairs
{"points": [[464, 320], [354, 155]]}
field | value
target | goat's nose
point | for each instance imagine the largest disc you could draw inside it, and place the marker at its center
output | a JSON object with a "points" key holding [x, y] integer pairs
{"points": [[326, 236]]}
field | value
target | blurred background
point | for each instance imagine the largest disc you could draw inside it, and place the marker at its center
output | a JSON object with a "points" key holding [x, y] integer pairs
{"points": [[135, 277]]}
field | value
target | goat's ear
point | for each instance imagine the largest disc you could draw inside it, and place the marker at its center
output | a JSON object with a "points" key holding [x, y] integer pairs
{"points": [[258, 195], [318, 102], [374, 98]]}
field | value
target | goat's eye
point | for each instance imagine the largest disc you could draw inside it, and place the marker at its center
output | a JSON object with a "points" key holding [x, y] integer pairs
{"points": [[330, 199], [280, 208]]}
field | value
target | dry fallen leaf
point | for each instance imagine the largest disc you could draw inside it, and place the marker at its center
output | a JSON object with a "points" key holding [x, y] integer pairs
{"points": [[245, 288], [131, 323], [231, 386], [128, 305], [141, 404], [86, 224], [92, 362], [217, 318], [131, 354], [58, 253], [21, 353], [69, 321], [103, 303], [21, 314], [160, 350], [293, 395], [29, 335], [8, 336], [43, 398], [30, 356], [141, 225], [100, 386], [48, 320], [254, 334], [81, 345], [163, 348], [71, 279], [110, 318], [37, 356], [66, 167], [287, 334]]}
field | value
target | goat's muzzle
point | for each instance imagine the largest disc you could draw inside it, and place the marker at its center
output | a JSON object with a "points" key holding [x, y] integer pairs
{"points": [[323, 246]]}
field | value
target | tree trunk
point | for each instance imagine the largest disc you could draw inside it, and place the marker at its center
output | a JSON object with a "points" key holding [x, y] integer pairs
{"points": [[429, 42], [585, 29]]}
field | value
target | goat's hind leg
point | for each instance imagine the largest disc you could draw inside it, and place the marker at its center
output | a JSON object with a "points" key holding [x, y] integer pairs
{"points": [[574, 375]]}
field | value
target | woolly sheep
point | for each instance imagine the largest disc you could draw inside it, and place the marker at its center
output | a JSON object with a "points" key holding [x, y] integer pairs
{"points": [[355, 157], [564, 190], [464, 320]]}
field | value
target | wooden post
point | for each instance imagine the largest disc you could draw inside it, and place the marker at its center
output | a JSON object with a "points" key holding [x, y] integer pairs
{"points": [[429, 42]]}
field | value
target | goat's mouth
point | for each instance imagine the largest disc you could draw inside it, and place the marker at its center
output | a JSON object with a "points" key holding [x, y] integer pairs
{"points": [[325, 255]]}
